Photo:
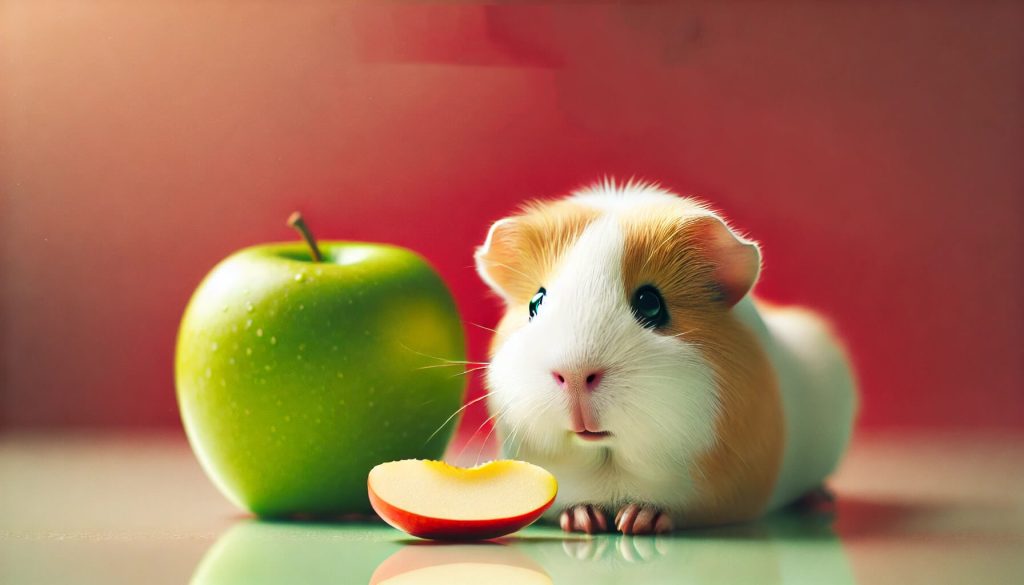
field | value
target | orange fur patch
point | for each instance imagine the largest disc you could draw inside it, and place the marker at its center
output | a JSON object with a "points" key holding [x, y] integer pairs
{"points": [[525, 251], [736, 477]]}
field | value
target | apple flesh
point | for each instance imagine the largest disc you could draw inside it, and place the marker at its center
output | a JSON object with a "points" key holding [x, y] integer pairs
{"points": [[431, 499]]}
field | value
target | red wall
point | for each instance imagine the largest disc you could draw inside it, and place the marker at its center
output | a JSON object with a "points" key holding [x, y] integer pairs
{"points": [[874, 150]]}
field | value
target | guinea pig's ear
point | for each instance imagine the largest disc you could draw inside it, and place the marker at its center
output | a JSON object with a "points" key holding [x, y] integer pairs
{"points": [[736, 260], [496, 258]]}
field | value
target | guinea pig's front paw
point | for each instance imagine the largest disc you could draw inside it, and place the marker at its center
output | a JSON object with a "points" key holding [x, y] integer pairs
{"points": [[583, 518], [640, 519]]}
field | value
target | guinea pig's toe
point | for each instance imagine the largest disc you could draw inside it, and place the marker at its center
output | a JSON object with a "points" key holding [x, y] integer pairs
{"points": [[600, 523], [625, 517], [644, 523], [583, 518], [663, 525], [637, 519]]}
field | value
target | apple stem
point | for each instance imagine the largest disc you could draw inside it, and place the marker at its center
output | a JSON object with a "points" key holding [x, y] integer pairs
{"points": [[295, 220]]}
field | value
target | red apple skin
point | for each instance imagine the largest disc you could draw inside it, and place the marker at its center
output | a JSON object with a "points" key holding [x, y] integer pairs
{"points": [[447, 529]]}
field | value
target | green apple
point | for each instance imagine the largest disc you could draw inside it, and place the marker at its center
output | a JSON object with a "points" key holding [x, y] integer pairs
{"points": [[295, 376]]}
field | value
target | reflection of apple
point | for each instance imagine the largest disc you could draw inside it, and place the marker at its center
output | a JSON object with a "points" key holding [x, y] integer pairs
{"points": [[296, 377], [432, 499], [455, 564], [253, 552]]}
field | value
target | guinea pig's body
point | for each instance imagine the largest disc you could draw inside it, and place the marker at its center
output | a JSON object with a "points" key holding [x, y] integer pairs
{"points": [[633, 363]]}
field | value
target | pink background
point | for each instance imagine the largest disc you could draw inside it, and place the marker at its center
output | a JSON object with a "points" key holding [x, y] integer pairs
{"points": [[875, 151]]}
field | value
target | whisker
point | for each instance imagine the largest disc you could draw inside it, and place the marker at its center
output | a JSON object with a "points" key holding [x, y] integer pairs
{"points": [[473, 436], [494, 424], [482, 327], [454, 414], [453, 364], [433, 357], [469, 371], [511, 439]]}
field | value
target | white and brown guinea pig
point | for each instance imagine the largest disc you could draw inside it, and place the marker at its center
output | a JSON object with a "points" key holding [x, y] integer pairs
{"points": [[634, 364]]}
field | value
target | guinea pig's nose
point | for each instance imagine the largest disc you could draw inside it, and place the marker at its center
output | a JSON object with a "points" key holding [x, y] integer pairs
{"points": [[575, 380]]}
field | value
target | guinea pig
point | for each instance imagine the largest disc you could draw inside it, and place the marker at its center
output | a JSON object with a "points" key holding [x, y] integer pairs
{"points": [[634, 363]]}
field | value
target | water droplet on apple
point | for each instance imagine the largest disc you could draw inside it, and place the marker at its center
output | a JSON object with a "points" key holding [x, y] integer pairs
{"points": [[300, 277], [231, 361], [248, 323], [259, 332], [267, 368], [248, 351], [302, 307], [273, 340]]}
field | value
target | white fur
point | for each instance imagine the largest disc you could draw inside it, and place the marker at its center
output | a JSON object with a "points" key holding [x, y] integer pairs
{"points": [[819, 396], [612, 197], [657, 398]]}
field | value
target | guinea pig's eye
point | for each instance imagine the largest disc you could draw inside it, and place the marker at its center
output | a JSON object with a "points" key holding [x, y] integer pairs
{"points": [[649, 308], [536, 302]]}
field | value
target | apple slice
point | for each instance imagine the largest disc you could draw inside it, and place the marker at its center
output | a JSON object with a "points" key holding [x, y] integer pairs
{"points": [[431, 499]]}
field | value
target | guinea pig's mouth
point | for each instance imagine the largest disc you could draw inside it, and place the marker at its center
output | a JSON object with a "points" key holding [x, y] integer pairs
{"points": [[593, 435]]}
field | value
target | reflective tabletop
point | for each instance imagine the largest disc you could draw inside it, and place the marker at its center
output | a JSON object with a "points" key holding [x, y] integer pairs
{"points": [[911, 508]]}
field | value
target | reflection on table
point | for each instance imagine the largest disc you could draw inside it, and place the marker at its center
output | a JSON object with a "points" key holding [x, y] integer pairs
{"points": [[786, 548]]}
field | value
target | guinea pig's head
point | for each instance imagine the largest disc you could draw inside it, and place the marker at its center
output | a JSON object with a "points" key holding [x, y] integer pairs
{"points": [[617, 321]]}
